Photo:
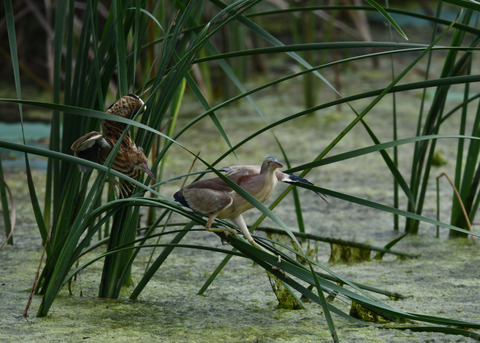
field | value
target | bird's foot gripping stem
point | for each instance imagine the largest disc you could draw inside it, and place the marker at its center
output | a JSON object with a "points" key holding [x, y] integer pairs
{"points": [[226, 231], [279, 257]]}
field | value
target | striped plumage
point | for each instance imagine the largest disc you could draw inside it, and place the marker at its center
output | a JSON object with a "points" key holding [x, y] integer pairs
{"points": [[130, 159], [125, 107]]}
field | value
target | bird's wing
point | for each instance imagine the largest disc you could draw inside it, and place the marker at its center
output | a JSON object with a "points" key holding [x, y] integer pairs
{"points": [[206, 196], [88, 141], [241, 169], [88, 146]]}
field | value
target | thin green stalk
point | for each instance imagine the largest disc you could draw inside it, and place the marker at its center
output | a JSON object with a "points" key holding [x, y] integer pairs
{"points": [[159, 261], [396, 201], [6, 209], [309, 81], [438, 207], [469, 180], [12, 40], [423, 153], [214, 274]]}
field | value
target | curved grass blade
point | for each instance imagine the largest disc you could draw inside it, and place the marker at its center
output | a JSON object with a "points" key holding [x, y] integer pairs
{"points": [[326, 310], [269, 263], [303, 235], [373, 148], [10, 21], [215, 273], [169, 246], [388, 17], [377, 99], [120, 46], [385, 208], [90, 113], [159, 261]]}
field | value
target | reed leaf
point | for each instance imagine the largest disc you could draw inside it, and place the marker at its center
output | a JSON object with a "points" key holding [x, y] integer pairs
{"points": [[9, 211], [109, 57]]}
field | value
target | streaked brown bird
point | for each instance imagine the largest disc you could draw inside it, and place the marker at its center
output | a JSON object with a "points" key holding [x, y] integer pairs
{"points": [[130, 159], [216, 199]]}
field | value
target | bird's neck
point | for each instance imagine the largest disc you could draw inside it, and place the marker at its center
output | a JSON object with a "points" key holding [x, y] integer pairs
{"points": [[269, 183]]}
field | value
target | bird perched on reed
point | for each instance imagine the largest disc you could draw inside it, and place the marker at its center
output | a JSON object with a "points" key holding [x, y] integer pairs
{"points": [[216, 199], [94, 146]]}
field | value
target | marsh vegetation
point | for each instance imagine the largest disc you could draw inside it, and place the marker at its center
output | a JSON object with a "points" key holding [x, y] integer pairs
{"points": [[369, 118]]}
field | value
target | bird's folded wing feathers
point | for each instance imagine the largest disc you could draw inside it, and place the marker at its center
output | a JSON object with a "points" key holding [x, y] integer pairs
{"points": [[88, 141], [215, 183], [88, 146], [204, 200], [241, 169]]}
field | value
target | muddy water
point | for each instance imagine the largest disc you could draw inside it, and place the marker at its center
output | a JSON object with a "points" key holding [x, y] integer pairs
{"points": [[240, 306]]}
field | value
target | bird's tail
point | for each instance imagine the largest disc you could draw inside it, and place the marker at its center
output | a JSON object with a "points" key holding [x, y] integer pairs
{"points": [[294, 179], [178, 196]]}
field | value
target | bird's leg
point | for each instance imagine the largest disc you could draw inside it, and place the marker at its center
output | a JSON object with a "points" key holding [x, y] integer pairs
{"points": [[243, 227], [226, 231], [126, 188], [115, 184], [122, 189]]}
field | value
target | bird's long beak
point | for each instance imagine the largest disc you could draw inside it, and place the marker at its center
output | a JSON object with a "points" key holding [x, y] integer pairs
{"points": [[278, 164], [147, 170], [274, 162]]}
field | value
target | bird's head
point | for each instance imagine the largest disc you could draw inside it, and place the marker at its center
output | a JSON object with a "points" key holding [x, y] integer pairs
{"points": [[270, 164], [140, 162], [127, 106]]}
